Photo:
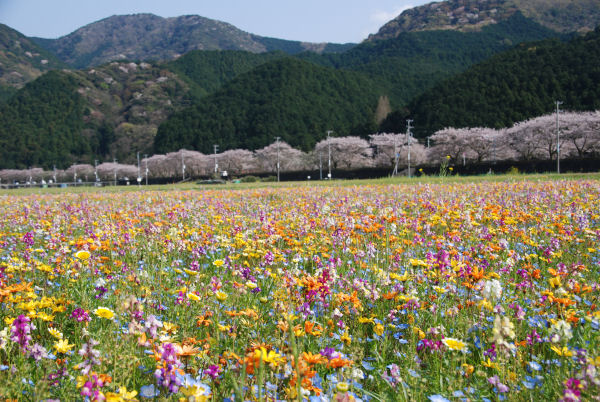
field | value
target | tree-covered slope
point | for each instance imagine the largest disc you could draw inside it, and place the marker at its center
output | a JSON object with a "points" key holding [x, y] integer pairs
{"points": [[412, 62], [296, 100], [42, 124], [207, 70], [513, 86], [21, 60]]}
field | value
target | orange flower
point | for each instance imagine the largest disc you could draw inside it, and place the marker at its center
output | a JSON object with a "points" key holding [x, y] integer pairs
{"points": [[313, 358]]}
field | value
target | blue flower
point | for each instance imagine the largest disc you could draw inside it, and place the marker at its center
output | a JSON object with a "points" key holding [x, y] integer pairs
{"points": [[438, 398], [149, 391]]}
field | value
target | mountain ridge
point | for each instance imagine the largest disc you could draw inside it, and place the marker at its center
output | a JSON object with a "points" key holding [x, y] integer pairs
{"points": [[465, 15], [147, 36]]}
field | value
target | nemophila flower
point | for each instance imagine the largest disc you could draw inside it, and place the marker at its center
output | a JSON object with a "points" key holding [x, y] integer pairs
{"points": [[104, 312], [149, 391], [455, 344]]}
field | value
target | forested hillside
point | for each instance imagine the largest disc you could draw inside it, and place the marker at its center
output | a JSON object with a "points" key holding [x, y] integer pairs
{"points": [[512, 86], [42, 124], [296, 100]]}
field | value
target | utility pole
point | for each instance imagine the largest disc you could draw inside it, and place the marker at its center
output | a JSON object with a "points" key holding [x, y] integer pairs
{"points": [[216, 148], [115, 170], [182, 168], [277, 141], [396, 156], [408, 134], [329, 154], [54, 174], [428, 142], [146, 163], [139, 175], [320, 166], [558, 103]]}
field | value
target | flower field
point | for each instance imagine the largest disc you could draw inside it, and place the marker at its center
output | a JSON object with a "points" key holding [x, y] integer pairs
{"points": [[485, 291]]}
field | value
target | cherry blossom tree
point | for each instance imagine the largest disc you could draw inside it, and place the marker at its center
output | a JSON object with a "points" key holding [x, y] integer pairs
{"points": [[582, 131], [346, 152], [450, 142], [290, 159], [83, 172], [108, 171], [238, 161]]}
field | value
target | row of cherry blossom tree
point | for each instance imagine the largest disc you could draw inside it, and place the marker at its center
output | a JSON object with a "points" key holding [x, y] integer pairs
{"points": [[532, 139]]}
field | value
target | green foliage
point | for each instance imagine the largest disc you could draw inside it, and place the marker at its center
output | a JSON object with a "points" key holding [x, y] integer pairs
{"points": [[41, 125], [207, 71], [290, 98], [514, 86], [414, 61]]}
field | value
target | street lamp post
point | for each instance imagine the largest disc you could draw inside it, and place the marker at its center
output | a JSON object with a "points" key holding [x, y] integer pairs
{"points": [[277, 141], [115, 169], [182, 167], [558, 103], [146, 164], [216, 148], [329, 154], [408, 134]]}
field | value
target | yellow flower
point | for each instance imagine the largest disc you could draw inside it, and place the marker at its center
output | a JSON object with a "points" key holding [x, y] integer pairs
{"points": [[251, 285], [342, 386], [346, 338], [364, 320], [378, 329], [218, 263], [271, 357], [104, 312], [193, 296], [122, 396], [455, 344], [63, 346], [221, 296], [562, 352], [55, 333], [82, 255], [169, 327]]}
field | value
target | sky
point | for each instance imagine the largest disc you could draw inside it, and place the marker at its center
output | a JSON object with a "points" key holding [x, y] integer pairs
{"points": [[337, 21]]}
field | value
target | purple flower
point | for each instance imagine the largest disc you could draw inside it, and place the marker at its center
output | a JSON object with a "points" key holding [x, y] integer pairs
{"points": [[20, 331], [80, 315]]}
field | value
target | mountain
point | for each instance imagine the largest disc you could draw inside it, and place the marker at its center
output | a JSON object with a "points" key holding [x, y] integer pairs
{"points": [[150, 37], [21, 60], [512, 86], [412, 62], [78, 116], [290, 98], [467, 15], [207, 70]]}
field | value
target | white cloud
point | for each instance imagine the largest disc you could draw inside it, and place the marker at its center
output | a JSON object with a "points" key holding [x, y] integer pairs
{"points": [[380, 17]]}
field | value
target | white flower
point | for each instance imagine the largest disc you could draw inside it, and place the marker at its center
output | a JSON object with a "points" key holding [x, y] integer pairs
{"points": [[562, 330], [492, 290]]}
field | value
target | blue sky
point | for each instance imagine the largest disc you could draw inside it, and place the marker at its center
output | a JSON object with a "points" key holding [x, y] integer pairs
{"points": [[337, 21]]}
